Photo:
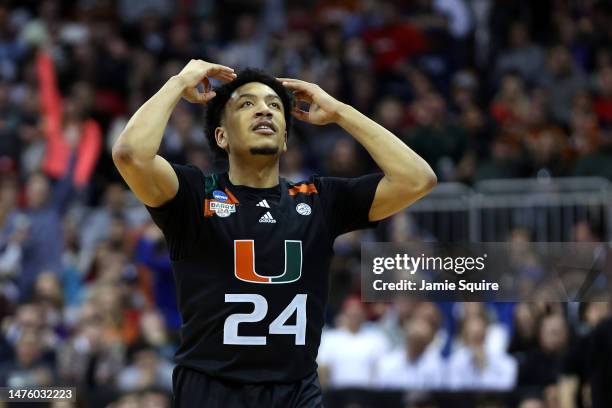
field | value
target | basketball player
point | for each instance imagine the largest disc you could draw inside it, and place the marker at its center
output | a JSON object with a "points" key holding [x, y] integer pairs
{"points": [[250, 251]]}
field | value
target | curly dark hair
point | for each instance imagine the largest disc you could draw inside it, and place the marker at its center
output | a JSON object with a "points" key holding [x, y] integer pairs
{"points": [[215, 107]]}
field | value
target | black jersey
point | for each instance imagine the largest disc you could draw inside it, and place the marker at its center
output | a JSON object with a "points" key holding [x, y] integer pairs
{"points": [[251, 267]]}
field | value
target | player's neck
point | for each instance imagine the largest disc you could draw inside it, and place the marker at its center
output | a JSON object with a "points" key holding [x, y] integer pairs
{"points": [[254, 174]]}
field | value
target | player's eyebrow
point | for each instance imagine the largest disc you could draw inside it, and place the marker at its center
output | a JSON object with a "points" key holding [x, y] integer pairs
{"points": [[250, 95]]}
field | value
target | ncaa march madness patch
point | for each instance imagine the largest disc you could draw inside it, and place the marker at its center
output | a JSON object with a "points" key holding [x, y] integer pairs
{"points": [[223, 204]]}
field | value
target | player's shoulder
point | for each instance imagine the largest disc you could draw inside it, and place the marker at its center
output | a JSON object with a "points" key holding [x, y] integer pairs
{"points": [[316, 185], [307, 186], [188, 171]]}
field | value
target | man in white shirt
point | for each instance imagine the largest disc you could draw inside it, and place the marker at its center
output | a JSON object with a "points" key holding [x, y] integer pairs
{"points": [[348, 354], [417, 365], [476, 367]]}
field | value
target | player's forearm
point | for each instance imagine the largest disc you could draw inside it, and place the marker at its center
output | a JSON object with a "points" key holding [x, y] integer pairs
{"points": [[401, 165], [142, 136]]}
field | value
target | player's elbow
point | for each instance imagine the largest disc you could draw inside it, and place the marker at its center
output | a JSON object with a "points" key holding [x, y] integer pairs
{"points": [[122, 154], [416, 186], [429, 180], [423, 183]]}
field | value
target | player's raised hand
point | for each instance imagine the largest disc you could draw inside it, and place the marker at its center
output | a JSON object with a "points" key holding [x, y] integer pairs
{"points": [[323, 107], [198, 72]]}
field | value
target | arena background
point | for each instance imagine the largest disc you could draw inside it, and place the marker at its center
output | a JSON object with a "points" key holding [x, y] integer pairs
{"points": [[510, 102]]}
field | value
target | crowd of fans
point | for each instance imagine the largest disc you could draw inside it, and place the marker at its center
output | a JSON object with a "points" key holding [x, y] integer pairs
{"points": [[481, 89], [530, 349]]}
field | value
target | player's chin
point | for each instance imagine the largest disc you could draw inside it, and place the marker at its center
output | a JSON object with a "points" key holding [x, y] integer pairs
{"points": [[265, 149]]}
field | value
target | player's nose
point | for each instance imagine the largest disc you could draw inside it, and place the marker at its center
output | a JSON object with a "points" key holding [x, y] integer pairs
{"points": [[263, 110]]}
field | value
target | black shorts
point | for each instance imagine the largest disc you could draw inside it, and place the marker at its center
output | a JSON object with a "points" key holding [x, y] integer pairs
{"points": [[193, 388]]}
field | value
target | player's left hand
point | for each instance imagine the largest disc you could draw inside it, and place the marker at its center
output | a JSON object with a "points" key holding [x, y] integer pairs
{"points": [[323, 108]]}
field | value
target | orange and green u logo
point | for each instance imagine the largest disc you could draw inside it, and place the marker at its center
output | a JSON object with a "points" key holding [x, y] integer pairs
{"points": [[244, 262]]}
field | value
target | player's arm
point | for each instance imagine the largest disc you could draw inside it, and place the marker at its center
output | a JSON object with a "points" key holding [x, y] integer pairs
{"points": [[407, 177], [148, 175]]}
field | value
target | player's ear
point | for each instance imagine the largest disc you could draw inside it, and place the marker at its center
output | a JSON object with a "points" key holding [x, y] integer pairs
{"points": [[221, 137], [285, 142]]}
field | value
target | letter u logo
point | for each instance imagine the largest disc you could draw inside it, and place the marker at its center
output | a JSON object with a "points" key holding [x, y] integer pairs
{"points": [[244, 262]]}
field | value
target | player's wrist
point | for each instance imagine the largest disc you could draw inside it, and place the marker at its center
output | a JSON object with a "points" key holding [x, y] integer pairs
{"points": [[342, 114], [179, 82]]}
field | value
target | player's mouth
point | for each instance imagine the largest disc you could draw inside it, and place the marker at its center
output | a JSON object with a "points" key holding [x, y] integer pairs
{"points": [[264, 127]]}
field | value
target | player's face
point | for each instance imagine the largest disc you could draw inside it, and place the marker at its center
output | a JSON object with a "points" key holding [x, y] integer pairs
{"points": [[253, 122]]}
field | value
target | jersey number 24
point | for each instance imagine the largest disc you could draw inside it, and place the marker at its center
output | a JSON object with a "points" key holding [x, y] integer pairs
{"points": [[278, 326]]}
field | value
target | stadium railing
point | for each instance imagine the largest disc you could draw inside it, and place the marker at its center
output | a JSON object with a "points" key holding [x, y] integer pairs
{"points": [[488, 212]]}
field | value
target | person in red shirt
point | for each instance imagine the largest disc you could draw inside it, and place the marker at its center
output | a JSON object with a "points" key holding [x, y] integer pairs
{"points": [[66, 129]]}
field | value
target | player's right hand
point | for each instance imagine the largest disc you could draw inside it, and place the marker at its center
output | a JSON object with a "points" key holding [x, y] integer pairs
{"points": [[197, 72]]}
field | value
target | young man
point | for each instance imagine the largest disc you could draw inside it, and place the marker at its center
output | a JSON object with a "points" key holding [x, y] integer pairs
{"points": [[250, 251]]}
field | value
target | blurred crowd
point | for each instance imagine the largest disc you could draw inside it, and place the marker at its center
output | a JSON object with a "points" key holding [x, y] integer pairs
{"points": [[543, 353], [481, 89]]}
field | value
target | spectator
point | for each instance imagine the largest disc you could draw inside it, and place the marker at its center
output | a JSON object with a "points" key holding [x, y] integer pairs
{"points": [[348, 354], [563, 81], [67, 130], [505, 160], [247, 49], [28, 319], [181, 135], [28, 368], [430, 312], [96, 225], [154, 334], [414, 366], [146, 370], [599, 162], [152, 253], [391, 114], [511, 103], [542, 366], [525, 330], [585, 133], [522, 55], [464, 92], [442, 144], [393, 40], [573, 384], [479, 367], [343, 160], [92, 358], [48, 296], [496, 337], [545, 142], [393, 322]]}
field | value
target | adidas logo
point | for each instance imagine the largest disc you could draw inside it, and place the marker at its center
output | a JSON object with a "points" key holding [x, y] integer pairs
{"points": [[267, 217], [262, 203]]}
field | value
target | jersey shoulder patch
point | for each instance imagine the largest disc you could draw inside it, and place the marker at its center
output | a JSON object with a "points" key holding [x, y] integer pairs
{"points": [[307, 187], [217, 199]]}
